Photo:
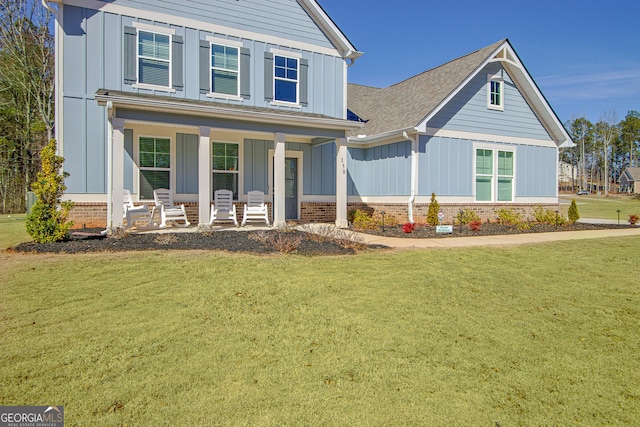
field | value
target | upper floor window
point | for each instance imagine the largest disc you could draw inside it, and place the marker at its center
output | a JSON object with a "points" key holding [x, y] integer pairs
{"points": [[154, 58], [224, 70], [495, 92], [285, 79]]}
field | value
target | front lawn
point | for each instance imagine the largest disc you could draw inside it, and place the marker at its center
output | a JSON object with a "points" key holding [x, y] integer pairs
{"points": [[593, 206], [532, 335]]}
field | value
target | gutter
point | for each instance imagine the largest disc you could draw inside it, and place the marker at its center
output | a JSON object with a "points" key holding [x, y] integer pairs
{"points": [[45, 4], [414, 174]]}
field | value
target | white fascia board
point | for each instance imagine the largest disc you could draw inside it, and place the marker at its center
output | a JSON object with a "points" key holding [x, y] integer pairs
{"points": [[380, 138], [473, 136], [124, 101], [330, 28], [199, 25]]}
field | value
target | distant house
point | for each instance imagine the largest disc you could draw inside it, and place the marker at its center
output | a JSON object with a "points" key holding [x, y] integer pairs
{"points": [[476, 131], [567, 175], [252, 95], [630, 180]]}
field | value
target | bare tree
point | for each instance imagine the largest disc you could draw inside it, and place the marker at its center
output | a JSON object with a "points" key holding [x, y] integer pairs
{"points": [[607, 131]]}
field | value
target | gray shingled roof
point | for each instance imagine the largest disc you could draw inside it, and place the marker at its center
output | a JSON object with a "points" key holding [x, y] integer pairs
{"points": [[406, 104], [634, 173]]}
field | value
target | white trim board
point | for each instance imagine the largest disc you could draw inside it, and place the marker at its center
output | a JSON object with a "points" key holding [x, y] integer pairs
{"points": [[199, 25], [472, 136]]}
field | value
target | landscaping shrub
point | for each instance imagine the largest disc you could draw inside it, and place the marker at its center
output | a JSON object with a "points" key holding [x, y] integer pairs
{"points": [[467, 216], [363, 221], [47, 221], [408, 227], [574, 216], [432, 213], [633, 219], [547, 216], [511, 217], [283, 241], [475, 225]]}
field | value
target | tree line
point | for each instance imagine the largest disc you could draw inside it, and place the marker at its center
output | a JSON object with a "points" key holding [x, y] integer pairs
{"points": [[603, 150], [26, 96]]}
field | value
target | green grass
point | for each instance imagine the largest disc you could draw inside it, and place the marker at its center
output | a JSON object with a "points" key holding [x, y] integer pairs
{"points": [[601, 207], [12, 230], [532, 335]]}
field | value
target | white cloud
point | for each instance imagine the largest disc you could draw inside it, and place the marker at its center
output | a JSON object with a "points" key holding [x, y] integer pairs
{"points": [[595, 86]]}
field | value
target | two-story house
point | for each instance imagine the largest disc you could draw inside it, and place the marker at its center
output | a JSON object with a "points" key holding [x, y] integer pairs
{"points": [[253, 95]]}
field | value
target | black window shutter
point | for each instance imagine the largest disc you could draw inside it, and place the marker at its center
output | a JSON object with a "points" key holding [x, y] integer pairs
{"points": [[129, 52], [268, 76], [205, 67], [304, 82], [245, 73], [176, 62]]}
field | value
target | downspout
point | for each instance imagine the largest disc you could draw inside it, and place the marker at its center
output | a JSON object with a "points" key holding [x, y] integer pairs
{"points": [[414, 171], [109, 111]]}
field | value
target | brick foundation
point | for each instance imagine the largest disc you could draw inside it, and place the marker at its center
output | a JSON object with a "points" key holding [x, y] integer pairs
{"points": [[94, 215]]}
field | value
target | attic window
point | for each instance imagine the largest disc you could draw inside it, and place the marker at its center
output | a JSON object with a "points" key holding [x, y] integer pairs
{"points": [[495, 92]]}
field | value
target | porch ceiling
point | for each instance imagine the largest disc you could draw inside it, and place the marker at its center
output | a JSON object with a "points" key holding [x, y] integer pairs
{"points": [[211, 109]]}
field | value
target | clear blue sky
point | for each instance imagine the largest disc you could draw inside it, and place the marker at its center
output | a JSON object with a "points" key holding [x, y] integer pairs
{"points": [[583, 54]]}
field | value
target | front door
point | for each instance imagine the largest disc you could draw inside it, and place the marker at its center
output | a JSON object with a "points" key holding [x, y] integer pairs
{"points": [[291, 188]]}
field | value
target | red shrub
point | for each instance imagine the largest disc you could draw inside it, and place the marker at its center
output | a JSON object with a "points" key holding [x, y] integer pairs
{"points": [[408, 227], [475, 225]]}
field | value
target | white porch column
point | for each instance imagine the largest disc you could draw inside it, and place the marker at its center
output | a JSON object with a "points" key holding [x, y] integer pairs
{"points": [[341, 183], [117, 177], [204, 176], [278, 180]]}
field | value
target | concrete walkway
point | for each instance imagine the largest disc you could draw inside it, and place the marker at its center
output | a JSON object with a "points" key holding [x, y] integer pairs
{"points": [[502, 240]]}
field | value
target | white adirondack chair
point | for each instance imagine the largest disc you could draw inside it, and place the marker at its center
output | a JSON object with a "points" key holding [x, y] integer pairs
{"points": [[168, 211], [133, 213], [256, 208], [223, 208]]}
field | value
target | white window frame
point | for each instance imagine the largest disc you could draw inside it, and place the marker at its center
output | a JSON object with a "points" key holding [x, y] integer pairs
{"points": [[226, 43], [499, 79], [236, 171], [154, 30], [496, 149], [286, 55], [140, 168]]}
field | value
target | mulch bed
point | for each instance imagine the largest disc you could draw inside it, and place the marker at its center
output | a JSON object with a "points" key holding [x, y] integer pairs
{"points": [[255, 242], [425, 231]]}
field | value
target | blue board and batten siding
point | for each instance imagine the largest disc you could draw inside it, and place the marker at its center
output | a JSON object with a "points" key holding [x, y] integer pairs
{"points": [[318, 166], [384, 170], [93, 59], [468, 111]]}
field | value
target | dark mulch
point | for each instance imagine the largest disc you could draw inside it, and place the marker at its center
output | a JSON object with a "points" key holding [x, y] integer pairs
{"points": [[425, 231], [255, 242]]}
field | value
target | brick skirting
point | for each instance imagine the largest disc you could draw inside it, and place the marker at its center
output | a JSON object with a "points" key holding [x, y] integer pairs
{"points": [[94, 215]]}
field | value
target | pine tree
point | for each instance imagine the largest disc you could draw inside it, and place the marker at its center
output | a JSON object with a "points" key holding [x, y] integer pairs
{"points": [[573, 212], [434, 207], [47, 221]]}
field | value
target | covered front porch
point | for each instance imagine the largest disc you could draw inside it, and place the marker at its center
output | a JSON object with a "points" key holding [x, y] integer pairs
{"points": [[194, 148]]}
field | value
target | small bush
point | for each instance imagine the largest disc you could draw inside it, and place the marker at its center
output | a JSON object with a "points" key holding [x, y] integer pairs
{"points": [[548, 216], [573, 212], [282, 241], [363, 221], [408, 227], [475, 225], [633, 219], [432, 213], [467, 216], [47, 221], [511, 217]]}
